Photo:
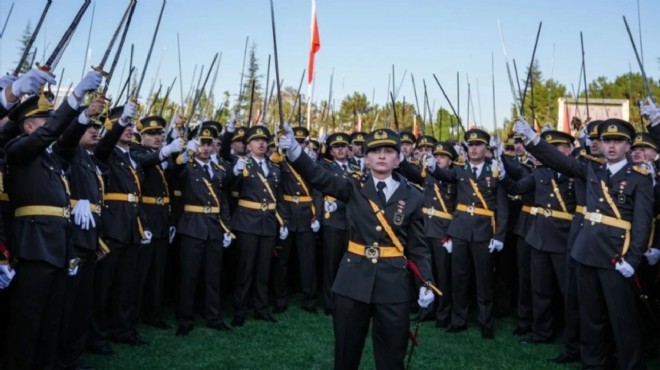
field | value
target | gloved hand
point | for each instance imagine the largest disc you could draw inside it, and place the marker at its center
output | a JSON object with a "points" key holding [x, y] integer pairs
{"points": [[426, 297], [73, 266], [316, 226], [523, 128], [7, 80], [288, 142], [500, 168], [231, 126], [329, 206], [130, 109], [310, 153], [449, 246], [96, 107], [624, 268], [172, 233], [90, 82], [495, 245], [648, 109], [240, 165], [192, 146], [147, 238], [652, 256], [430, 162], [82, 214], [323, 138], [31, 82], [226, 240], [284, 232], [174, 147], [6, 274]]}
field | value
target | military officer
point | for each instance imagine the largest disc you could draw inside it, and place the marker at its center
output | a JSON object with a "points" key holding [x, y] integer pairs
{"points": [[357, 155]]}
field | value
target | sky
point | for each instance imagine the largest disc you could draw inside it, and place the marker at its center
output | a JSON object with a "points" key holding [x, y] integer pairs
{"points": [[360, 39]]}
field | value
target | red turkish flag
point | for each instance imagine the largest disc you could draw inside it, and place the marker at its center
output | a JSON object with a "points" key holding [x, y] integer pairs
{"points": [[315, 44]]}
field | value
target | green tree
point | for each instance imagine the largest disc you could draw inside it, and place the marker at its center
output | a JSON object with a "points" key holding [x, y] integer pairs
{"points": [[24, 40], [250, 77]]}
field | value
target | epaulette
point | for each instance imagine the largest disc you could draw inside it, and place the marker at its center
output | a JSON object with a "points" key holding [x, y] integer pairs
{"points": [[459, 164], [328, 161], [220, 166], [641, 171], [415, 185], [583, 154]]}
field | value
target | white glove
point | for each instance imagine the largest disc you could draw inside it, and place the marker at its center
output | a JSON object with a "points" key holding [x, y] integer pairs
{"points": [[90, 82], [7, 80], [652, 255], [323, 138], [172, 233], [174, 147], [500, 168], [650, 111], [231, 126], [130, 109], [624, 268], [289, 144], [226, 240], [82, 214], [192, 146], [240, 165], [31, 82], [495, 245], [147, 238], [329, 206], [72, 271], [6, 274], [523, 128], [426, 297], [284, 232], [316, 225], [430, 162], [449, 246]]}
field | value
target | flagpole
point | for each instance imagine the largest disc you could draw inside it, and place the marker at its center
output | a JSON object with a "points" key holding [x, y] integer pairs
{"points": [[314, 46]]}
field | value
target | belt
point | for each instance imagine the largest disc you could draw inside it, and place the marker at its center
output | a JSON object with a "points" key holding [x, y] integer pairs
{"points": [[432, 212], [160, 201], [121, 197], [256, 205], [374, 251], [580, 209], [599, 218], [4, 197], [472, 210], [297, 198], [201, 209], [95, 208], [547, 212], [27, 211], [527, 209]]}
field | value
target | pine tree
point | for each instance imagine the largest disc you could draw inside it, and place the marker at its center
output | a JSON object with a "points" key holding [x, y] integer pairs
{"points": [[24, 40]]}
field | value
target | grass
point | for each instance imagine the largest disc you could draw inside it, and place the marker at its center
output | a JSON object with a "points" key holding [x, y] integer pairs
{"points": [[304, 341]]}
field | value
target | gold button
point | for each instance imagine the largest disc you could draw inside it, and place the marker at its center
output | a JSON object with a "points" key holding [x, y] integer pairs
{"points": [[379, 228]]}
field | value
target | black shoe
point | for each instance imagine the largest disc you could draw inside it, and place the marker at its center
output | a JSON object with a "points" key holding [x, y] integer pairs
{"points": [[183, 330], [533, 340], [522, 331], [564, 358], [456, 329], [157, 323], [104, 350], [265, 317], [311, 310], [280, 309], [219, 326], [487, 333], [237, 321]]}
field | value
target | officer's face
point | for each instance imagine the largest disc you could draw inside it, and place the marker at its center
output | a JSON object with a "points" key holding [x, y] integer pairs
{"points": [[442, 161], [205, 149], [476, 151], [406, 148], [127, 137], [91, 137], [238, 147], [615, 150], [152, 139], [258, 147], [382, 160], [595, 147], [357, 150], [519, 147], [339, 152], [638, 156], [424, 151], [216, 146]]}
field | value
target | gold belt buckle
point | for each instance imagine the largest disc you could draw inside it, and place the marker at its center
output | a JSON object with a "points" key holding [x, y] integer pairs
{"points": [[295, 199], [207, 209], [264, 207], [372, 252], [547, 212], [132, 198], [595, 218], [470, 210], [96, 208], [159, 201], [533, 211], [66, 212]]}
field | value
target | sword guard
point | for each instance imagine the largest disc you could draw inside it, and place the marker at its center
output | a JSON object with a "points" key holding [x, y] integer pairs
{"points": [[101, 71]]}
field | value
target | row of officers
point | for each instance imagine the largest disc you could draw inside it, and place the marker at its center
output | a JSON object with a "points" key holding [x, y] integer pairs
{"points": [[88, 214]]}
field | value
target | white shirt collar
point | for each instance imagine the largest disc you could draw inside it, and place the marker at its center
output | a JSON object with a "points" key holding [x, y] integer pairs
{"points": [[479, 167], [615, 167]]}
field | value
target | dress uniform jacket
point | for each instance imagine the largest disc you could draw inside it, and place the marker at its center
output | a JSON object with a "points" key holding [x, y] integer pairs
{"points": [[516, 170], [476, 228], [196, 192], [358, 278], [300, 212], [37, 177], [156, 197], [122, 219], [632, 194], [336, 219]]}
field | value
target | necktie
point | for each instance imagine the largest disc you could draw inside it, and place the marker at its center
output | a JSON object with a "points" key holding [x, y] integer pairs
{"points": [[343, 167], [381, 194], [262, 164], [474, 172], [609, 174], [127, 158], [206, 171]]}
